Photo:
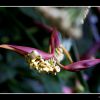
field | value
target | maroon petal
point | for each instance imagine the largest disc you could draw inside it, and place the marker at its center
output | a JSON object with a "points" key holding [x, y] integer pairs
{"points": [[25, 50], [80, 65], [55, 38], [52, 44]]}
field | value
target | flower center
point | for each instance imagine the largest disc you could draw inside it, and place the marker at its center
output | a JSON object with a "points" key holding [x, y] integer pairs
{"points": [[37, 62]]}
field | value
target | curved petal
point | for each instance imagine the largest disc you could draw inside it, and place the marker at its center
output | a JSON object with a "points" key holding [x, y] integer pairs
{"points": [[25, 50], [80, 65], [55, 41]]}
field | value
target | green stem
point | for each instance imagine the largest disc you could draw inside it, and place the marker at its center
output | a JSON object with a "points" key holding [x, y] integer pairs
{"points": [[80, 74]]}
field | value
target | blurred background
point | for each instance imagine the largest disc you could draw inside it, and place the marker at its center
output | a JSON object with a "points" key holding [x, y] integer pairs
{"points": [[17, 27]]}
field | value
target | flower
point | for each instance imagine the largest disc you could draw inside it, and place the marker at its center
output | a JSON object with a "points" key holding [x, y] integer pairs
{"points": [[50, 62], [76, 66], [41, 61]]}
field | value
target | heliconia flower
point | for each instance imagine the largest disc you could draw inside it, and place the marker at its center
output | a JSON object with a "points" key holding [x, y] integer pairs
{"points": [[57, 47], [50, 62], [41, 61], [76, 66]]}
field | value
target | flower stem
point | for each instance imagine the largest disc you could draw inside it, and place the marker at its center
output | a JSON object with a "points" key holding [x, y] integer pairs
{"points": [[80, 74], [67, 54]]}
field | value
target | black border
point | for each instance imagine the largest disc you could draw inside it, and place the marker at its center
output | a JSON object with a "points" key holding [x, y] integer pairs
{"points": [[51, 96], [49, 3]]}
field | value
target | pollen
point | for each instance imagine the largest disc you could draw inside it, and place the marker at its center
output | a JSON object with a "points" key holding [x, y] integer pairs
{"points": [[36, 62]]}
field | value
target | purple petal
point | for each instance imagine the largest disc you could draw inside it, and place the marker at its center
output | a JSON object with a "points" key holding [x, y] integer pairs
{"points": [[80, 65], [25, 50], [55, 38]]}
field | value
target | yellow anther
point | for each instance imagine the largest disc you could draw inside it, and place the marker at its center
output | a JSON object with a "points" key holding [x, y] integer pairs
{"points": [[38, 63]]}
